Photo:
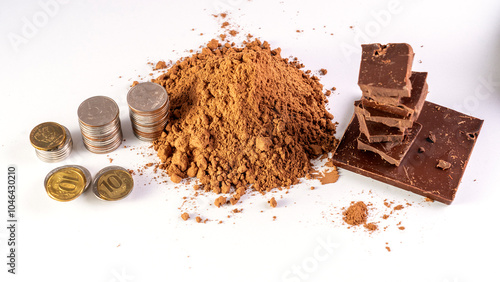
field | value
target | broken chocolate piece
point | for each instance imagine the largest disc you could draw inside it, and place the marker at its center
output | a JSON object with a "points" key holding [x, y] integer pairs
{"points": [[375, 115], [408, 106], [385, 70], [417, 172], [378, 132], [392, 152], [444, 165]]}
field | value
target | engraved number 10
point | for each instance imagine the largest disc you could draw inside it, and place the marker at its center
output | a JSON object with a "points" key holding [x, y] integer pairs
{"points": [[113, 182], [68, 183]]}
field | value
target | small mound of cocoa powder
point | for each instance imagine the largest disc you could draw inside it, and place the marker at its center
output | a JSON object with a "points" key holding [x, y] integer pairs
{"points": [[357, 214]]}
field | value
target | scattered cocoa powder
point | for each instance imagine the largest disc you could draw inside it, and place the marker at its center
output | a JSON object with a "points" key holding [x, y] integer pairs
{"points": [[323, 71], [356, 213], [220, 201], [273, 202], [185, 216], [160, 65], [198, 219], [398, 207], [371, 226], [242, 116]]}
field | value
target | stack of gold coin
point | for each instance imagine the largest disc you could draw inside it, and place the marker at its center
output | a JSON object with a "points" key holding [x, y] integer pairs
{"points": [[148, 108], [52, 142], [67, 183], [112, 183], [99, 119]]}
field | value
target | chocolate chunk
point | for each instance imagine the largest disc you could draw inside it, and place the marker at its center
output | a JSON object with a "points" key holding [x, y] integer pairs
{"points": [[408, 106], [431, 137], [444, 165], [385, 70], [421, 150], [392, 152], [389, 119], [378, 132], [417, 172]]}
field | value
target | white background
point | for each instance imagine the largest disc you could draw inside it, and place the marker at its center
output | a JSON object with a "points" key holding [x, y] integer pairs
{"points": [[79, 49]]}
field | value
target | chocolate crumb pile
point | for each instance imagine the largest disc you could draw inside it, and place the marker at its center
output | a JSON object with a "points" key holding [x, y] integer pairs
{"points": [[242, 116]]}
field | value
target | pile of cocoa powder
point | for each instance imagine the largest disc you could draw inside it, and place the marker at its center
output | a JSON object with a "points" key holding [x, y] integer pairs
{"points": [[241, 117]]}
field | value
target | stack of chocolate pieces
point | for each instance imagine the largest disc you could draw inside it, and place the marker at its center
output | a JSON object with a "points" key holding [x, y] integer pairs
{"points": [[392, 99], [397, 137]]}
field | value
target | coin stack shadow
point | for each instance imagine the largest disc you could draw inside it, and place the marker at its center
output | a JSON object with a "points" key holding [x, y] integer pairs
{"points": [[52, 142], [148, 108], [99, 119]]}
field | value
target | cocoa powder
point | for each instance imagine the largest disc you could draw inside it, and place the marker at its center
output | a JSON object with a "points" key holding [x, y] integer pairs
{"points": [[356, 214], [242, 116]]}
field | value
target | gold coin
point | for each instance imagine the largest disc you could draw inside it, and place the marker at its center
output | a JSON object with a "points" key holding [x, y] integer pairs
{"points": [[66, 184], [48, 136], [114, 184]]}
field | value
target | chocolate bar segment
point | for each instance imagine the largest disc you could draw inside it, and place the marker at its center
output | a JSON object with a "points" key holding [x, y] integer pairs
{"points": [[409, 106], [385, 71], [377, 132], [375, 115], [456, 134], [392, 152]]}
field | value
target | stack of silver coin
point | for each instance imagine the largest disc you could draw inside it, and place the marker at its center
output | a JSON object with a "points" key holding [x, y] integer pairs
{"points": [[99, 119], [52, 142], [148, 108]]}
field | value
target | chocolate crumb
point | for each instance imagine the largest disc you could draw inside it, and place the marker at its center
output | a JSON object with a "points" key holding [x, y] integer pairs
{"points": [[431, 138], [444, 165], [421, 150]]}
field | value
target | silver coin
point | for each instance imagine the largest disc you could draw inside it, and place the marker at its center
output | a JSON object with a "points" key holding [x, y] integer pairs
{"points": [[100, 125], [149, 106], [98, 111], [147, 97]]}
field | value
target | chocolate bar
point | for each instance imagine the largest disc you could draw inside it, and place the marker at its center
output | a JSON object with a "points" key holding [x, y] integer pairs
{"points": [[409, 106], [455, 135], [385, 71], [392, 152]]}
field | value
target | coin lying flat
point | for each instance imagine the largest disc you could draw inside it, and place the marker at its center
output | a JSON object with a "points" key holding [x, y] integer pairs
{"points": [[52, 142], [148, 109], [98, 111], [67, 183], [99, 120], [112, 183]]}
